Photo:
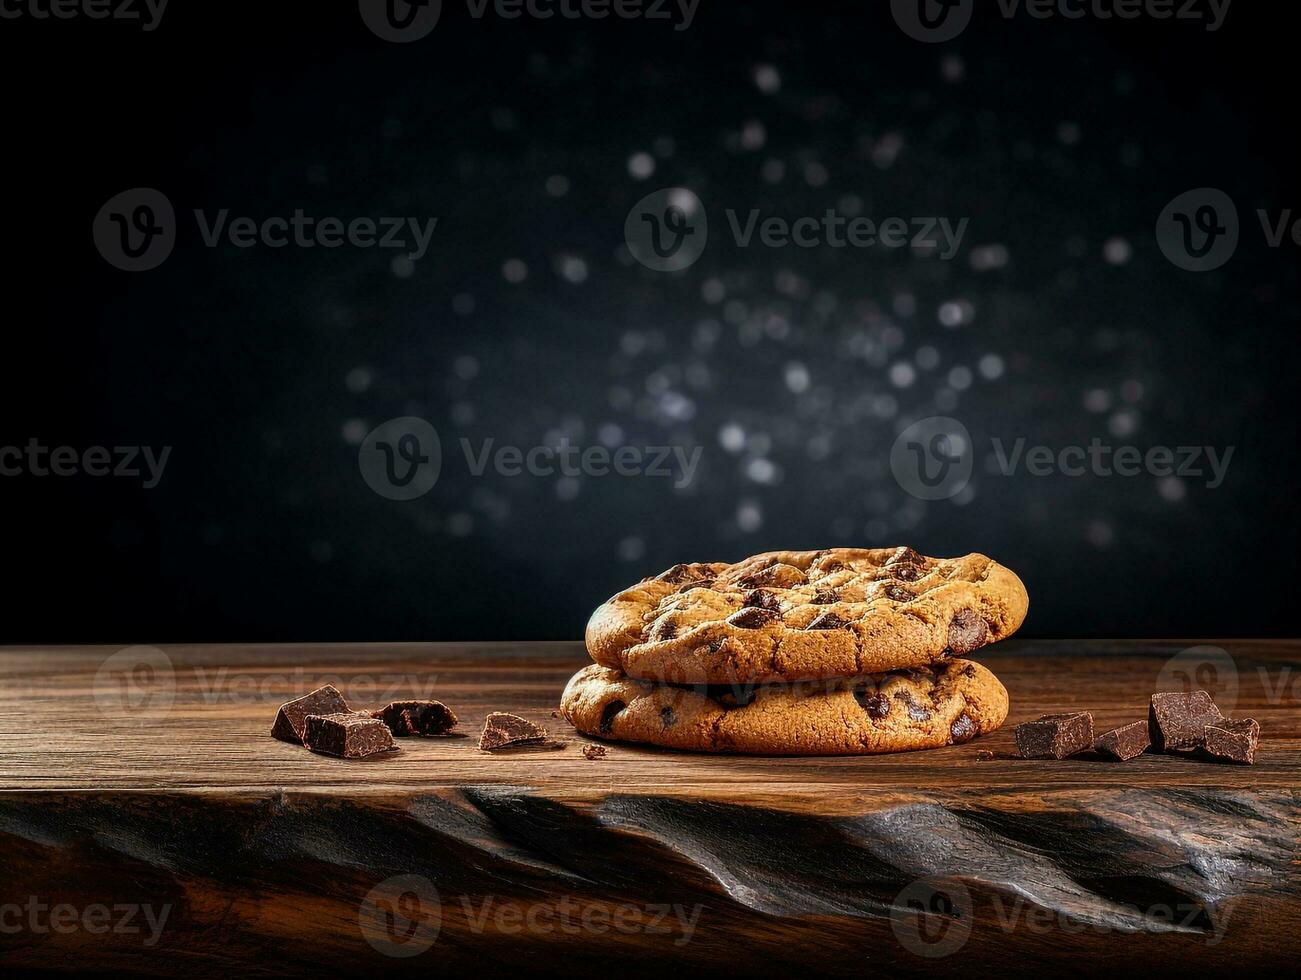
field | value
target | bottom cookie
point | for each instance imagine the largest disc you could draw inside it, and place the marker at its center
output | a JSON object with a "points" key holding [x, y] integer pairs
{"points": [[897, 711]]}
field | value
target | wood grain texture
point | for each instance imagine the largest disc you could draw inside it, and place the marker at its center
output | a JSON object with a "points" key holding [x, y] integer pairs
{"points": [[165, 791]]}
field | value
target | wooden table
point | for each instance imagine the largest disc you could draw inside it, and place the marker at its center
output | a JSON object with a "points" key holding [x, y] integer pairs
{"points": [[148, 822]]}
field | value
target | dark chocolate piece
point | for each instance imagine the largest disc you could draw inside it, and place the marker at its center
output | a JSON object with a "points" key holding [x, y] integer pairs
{"points": [[963, 729], [1055, 736], [501, 730], [1177, 721], [347, 734], [1126, 742], [1233, 741], [291, 717], [416, 718], [594, 752], [753, 618]]}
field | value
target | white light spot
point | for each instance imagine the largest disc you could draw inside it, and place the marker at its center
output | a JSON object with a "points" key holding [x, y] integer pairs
{"points": [[466, 367], [902, 374], [514, 270], [1097, 401], [960, 378], [1117, 251], [753, 135], [797, 377], [1100, 534], [572, 268], [767, 79], [712, 291], [928, 358], [1123, 423], [749, 516], [641, 165], [987, 257], [1172, 488], [632, 549], [732, 437], [990, 367], [761, 470], [402, 266]]}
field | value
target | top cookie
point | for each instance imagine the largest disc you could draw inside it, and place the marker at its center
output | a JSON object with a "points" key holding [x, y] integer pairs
{"points": [[806, 615]]}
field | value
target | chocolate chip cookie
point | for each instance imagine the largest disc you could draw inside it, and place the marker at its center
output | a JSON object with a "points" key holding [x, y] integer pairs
{"points": [[806, 615], [894, 711]]}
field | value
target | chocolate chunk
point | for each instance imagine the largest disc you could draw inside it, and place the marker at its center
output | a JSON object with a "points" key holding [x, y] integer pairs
{"points": [[1177, 721], [753, 618], [762, 599], [347, 734], [668, 717], [906, 556], [292, 716], [730, 695], [967, 632], [916, 711], [593, 751], [501, 730], [1233, 741], [608, 716], [984, 755], [827, 621], [898, 593], [876, 705], [1125, 742], [666, 630], [416, 718], [835, 565], [676, 574], [825, 597], [963, 729], [1055, 736], [776, 574]]}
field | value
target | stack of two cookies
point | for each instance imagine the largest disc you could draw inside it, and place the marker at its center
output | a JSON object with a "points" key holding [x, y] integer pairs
{"points": [[837, 652]]}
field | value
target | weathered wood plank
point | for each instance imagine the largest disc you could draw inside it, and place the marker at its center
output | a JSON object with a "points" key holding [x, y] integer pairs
{"points": [[264, 856]]}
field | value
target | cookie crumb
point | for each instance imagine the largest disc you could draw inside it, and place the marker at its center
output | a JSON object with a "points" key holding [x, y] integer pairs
{"points": [[984, 755], [594, 752]]}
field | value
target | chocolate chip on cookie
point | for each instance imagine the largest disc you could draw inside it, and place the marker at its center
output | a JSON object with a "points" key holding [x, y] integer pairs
{"points": [[825, 597], [897, 592], [668, 717], [876, 705], [753, 618], [676, 575], [967, 632], [608, 715], [827, 621], [963, 729], [666, 630], [762, 599], [704, 583]]}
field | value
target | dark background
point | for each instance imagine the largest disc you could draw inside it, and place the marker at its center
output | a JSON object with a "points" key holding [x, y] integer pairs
{"points": [[261, 368]]}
